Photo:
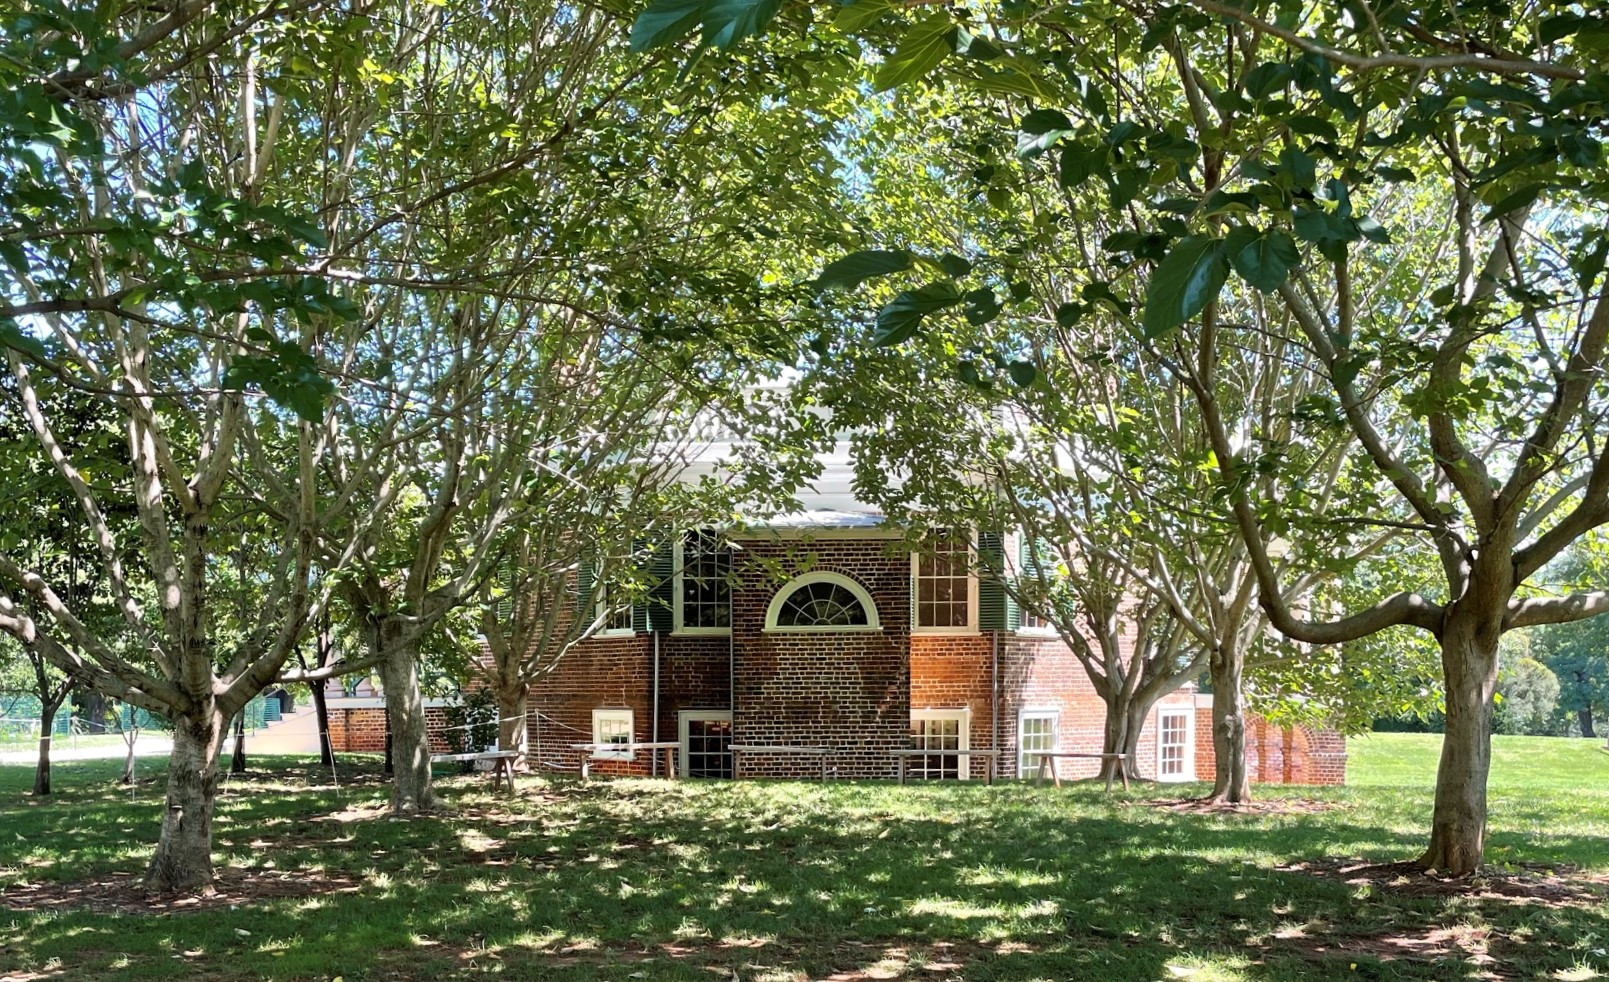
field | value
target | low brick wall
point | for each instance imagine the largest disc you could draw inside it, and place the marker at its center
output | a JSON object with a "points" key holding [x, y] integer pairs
{"points": [[363, 730], [1274, 755]]}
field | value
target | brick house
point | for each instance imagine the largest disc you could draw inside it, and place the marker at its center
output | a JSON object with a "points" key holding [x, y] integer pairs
{"points": [[820, 629]]}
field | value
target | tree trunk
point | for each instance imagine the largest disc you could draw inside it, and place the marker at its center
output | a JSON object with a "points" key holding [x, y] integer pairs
{"points": [[1586, 721], [1139, 709], [91, 710], [321, 718], [405, 712], [183, 860], [1114, 734], [128, 759], [237, 760], [47, 726], [513, 729], [1125, 720], [1458, 826], [1230, 781]]}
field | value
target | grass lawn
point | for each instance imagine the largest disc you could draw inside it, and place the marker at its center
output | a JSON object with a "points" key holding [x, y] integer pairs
{"points": [[627, 880]]}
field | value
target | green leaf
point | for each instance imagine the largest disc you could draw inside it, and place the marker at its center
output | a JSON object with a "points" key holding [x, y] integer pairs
{"points": [[1263, 259], [975, 47], [954, 266], [13, 337], [725, 22], [858, 267], [1023, 372], [982, 306], [1040, 130], [857, 15], [920, 51], [665, 21], [1079, 163], [1184, 283], [1514, 201], [899, 320]]}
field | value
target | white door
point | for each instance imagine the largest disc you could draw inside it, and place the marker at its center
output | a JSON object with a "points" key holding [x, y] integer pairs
{"points": [[1175, 746], [706, 736]]}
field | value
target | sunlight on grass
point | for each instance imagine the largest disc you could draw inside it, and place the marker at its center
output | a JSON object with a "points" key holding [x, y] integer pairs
{"points": [[798, 881]]}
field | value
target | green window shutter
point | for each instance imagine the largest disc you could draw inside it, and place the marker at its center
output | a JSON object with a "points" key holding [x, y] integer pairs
{"points": [[505, 603], [658, 608], [992, 606], [644, 559]]}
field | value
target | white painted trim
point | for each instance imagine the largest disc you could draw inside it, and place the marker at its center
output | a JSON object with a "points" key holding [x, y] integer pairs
{"points": [[1189, 717], [964, 715], [1037, 712], [687, 715], [677, 568], [874, 623], [972, 627], [600, 715]]}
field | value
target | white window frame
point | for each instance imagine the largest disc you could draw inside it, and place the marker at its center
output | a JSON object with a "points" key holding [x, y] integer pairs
{"points": [[1015, 542], [774, 609], [601, 615], [972, 593], [963, 731], [1036, 712], [1189, 772], [600, 716], [677, 627]]}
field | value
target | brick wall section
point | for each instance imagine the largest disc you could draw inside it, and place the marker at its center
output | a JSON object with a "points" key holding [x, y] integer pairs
{"points": [[363, 730], [956, 672], [1294, 755], [598, 673], [694, 674], [847, 690]]}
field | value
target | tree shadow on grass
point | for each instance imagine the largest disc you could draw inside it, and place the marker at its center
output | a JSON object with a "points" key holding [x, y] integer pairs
{"points": [[798, 881]]}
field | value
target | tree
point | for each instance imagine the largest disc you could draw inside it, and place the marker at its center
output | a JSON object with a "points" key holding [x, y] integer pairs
{"points": [[1262, 139], [1578, 655]]}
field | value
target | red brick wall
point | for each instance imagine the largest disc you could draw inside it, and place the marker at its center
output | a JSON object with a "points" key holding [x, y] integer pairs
{"points": [[598, 673], [956, 672], [1295, 755], [363, 730], [847, 690]]}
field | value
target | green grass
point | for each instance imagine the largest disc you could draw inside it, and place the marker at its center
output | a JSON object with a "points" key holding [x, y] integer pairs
{"points": [[1519, 764], [780, 881]]}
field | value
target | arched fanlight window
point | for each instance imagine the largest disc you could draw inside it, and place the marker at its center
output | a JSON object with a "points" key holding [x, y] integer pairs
{"points": [[822, 602]]}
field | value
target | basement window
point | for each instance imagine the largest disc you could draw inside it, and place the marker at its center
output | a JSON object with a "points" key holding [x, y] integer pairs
{"points": [[612, 727]]}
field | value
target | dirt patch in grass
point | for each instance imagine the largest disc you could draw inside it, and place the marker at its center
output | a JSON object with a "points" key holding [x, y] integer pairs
{"points": [[1262, 806], [1461, 943], [1522, 883], [122, 893], [846, 961]]}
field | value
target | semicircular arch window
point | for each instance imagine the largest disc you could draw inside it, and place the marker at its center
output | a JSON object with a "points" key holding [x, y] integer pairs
{"points": [[822, 604]]}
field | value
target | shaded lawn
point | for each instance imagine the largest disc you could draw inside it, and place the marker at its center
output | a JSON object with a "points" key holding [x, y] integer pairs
{"points": [[782, 881]]}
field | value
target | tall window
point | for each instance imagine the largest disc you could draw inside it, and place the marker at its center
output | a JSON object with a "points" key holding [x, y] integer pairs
{"points": [[946, 597], [615, 617], [704, 601], [1036, 734], [944, 734], [612, 731]]}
